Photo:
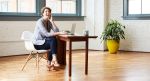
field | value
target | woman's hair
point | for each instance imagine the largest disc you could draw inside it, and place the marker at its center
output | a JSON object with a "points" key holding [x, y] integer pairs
{"points": [[42, 10]]}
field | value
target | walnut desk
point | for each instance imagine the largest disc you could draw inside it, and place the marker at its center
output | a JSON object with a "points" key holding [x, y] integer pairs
{"points": [[61, 49]]}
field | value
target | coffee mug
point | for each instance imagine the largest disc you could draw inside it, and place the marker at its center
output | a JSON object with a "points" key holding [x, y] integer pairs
{"points": [[86, 32]]}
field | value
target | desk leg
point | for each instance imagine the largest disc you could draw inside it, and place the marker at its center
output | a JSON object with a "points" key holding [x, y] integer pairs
{"points": [[70, 57], [61, 52], [86, 57]]}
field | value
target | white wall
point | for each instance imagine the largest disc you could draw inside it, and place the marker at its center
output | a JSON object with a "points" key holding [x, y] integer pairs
{"points": [[10, 43], [97, 12], [96, 17], [137, 31], [10, 33]]}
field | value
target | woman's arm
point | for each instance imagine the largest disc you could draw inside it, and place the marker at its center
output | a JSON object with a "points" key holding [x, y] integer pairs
{"points": [[42, 29], [56, 29]]}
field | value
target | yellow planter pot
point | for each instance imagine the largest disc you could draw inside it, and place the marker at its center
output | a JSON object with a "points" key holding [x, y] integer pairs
{"points": [[113, 46]]}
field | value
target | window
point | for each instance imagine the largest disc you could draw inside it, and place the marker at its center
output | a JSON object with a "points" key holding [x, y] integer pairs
{"points": [[62, 6], [65, 7], [31, 8], [19, 6], [136, 9]]}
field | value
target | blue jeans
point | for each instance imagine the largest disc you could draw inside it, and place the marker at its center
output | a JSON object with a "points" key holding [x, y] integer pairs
{"points": [[50, 43]]}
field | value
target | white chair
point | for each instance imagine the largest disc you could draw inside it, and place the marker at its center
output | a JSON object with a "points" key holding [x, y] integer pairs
{"points": [[37, 54]]}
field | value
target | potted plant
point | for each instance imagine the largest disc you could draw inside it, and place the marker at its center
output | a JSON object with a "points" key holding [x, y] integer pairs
{"points": [[113, 32]]}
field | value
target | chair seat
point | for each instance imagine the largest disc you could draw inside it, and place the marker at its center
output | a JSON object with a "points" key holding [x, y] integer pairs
{"points": [[39, 51]]}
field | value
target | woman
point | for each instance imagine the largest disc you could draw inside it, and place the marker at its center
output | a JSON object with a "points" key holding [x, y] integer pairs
{"points": [[44, 36]]}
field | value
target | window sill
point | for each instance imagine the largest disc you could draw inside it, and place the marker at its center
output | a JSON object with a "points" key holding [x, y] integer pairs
{"points": [[136, 17], [34, 18]]}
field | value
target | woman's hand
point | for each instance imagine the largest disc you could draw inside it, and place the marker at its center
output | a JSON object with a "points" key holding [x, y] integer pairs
{"points": [[51, 18], [59, 33]]}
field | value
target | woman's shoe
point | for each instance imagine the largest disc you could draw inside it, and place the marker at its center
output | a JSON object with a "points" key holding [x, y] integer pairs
{"points": [[55, 64], [52, 68], [49, 67], [54, 61]]}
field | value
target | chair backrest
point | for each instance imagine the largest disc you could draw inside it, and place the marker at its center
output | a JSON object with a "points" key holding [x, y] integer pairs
{"points": [[27, 38], [26, 35]]}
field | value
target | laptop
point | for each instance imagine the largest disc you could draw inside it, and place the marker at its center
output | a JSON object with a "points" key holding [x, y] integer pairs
{"points": [[72, 31]]}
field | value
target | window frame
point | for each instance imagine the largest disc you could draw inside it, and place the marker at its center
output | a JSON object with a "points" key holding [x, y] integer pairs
{"points": [[4, 16], [127, 16]]}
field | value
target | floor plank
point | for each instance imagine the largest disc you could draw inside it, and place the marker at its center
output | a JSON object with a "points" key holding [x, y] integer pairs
{"points": [[123, 66]]}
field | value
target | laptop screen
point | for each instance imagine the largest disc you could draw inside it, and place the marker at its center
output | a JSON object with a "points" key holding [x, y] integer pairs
{"points": [[73, 28]]}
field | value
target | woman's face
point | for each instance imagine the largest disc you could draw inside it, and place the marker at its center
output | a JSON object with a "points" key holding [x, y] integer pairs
{"points": [[47, 14]]}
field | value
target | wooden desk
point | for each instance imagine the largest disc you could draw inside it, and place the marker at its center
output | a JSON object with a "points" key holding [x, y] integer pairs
{"points": [[61, 54]]}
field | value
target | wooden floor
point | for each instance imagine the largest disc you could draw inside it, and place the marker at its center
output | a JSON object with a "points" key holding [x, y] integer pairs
{"points": [[124, 66]]}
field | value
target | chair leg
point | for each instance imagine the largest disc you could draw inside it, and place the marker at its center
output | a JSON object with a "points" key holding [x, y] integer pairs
{"points": [[29, 58], [37, 60]]}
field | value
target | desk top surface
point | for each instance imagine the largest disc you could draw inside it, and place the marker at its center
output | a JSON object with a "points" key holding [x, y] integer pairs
{"points": [[77, 36]]}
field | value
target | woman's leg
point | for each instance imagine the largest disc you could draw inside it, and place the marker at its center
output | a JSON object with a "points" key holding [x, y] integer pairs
{"points": [[53, 46], [45, 46], [50, 43]]}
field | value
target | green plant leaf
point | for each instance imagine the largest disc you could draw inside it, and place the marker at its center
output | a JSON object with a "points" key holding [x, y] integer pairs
{"points": [[113, 30]]}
